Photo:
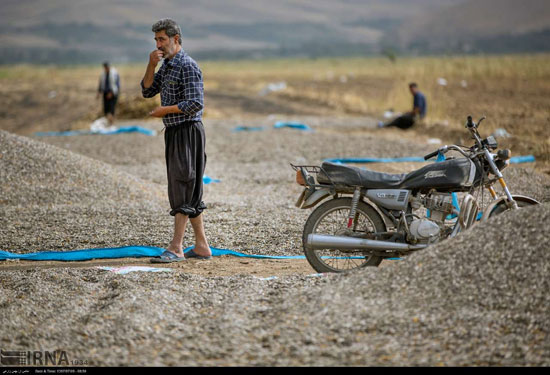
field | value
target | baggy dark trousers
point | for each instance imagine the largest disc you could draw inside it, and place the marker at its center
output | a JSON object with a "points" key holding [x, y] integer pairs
{"points": [[402, 122], [185, 162], [109, 105]]}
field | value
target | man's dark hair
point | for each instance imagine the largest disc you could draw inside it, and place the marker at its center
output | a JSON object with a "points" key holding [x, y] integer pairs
{"points": [[106, 64], [412, 84], [170, 27]]}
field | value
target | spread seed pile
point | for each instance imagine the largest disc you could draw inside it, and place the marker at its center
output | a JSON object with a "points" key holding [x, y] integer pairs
{"points": [[479, 299]]}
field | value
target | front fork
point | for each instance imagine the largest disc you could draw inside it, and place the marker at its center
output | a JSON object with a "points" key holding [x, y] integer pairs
{"points": [[511, 202]]}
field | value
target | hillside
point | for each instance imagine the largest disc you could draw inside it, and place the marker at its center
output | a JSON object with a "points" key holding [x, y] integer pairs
{"points": [[479, 26], [63, 31]]}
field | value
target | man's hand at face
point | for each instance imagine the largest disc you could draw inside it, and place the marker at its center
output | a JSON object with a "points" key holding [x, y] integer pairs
{"points": [[155, 57]]}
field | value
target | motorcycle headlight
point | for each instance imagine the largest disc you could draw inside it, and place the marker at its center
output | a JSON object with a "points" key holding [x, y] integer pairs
{"points": [[504, 154], [501, 164]]}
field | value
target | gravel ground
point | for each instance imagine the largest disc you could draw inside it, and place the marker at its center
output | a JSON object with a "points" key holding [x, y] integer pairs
{"points": [[479, 299]]}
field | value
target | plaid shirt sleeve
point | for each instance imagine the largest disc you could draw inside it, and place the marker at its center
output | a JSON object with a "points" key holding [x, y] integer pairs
{"points": [[155, 87], [193, 90]]}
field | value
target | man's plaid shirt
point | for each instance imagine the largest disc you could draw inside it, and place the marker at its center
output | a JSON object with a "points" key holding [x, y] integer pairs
{"points": [[179, 81]]}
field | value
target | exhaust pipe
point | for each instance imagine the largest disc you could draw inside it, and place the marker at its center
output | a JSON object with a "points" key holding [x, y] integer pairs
{"points": [[322, 241]]}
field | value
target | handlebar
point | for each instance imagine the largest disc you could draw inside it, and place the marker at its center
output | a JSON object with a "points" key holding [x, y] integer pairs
{"points": [[471, 124], [431, 155], [444, 150], [472, 127]]}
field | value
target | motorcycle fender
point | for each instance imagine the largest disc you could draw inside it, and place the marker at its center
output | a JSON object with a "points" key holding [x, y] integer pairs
{"points": [[315, 198], [502, 200], [301, 199]]}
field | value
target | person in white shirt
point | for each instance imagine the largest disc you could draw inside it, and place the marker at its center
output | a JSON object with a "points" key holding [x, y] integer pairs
{"points": [[109, 87]]}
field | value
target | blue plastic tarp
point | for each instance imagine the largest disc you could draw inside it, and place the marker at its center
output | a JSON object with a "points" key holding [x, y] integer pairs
{"points": [[522, 159], [209, 180], [122, 252], [65, 133], [292, 125], [87, 254], [122, 129], [129, 252], [247, 128]]}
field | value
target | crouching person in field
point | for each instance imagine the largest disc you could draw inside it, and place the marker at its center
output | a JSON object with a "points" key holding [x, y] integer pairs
{"points": [[408, 119]]}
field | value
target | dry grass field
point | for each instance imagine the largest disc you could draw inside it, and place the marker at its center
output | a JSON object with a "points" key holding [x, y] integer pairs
{"points": [[512, 91]]}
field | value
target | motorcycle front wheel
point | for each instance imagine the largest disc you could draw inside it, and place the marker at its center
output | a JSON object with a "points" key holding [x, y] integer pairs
{"points": [[501, 208], [331, 218]]}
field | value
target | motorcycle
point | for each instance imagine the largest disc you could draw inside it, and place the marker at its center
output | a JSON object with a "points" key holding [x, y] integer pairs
{"points": [[374, 216]]}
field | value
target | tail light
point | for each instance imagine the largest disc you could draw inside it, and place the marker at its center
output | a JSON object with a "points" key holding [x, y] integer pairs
{"points": [[300, 178]]}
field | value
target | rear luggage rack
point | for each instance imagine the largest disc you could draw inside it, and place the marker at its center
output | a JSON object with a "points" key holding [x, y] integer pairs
{"points": [[304, 175]]}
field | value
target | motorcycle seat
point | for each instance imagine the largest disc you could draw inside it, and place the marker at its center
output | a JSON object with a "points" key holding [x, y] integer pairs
{"points": [[455, 175], [341, 174]]}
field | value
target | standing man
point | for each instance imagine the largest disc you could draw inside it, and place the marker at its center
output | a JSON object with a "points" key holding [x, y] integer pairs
{"points": [[179, 82], [418, 112], [109, 87]]}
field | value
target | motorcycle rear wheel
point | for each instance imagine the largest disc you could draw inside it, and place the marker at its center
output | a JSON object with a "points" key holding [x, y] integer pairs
{"points": [[331, 218]]}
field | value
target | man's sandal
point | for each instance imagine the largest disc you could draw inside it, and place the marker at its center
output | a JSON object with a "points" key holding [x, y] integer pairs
{"points": [[192, 254], [167, 257]]}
